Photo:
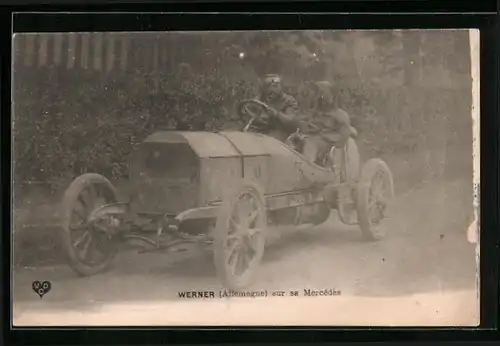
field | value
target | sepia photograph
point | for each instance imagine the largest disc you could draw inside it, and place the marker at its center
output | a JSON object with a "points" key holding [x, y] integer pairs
{"points": [[245, 178]]}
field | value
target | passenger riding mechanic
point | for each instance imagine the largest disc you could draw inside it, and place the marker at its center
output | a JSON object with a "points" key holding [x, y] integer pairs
{"points": [[328, 126], [282, 111], [331, 125]]}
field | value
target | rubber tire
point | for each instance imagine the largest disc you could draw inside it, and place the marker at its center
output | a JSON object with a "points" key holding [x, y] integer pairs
{"points": [[351, 174], [362, 193], [69, 198], [220, 234]]}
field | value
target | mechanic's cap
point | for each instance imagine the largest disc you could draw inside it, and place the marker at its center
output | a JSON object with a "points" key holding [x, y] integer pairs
{"points": [[324, 84], [272, 79]]}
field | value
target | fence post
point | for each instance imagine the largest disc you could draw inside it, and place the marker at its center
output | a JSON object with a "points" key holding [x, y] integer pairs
{"points": [[85, 50], [58, 43], [72, 42], [43, 49], [124, 52], [29, 58], [110, 47], [98, 51]]}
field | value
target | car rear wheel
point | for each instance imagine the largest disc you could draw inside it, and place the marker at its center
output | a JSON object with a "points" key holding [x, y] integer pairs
{"points": [[239, 236], [374, 193], [88, 248]]}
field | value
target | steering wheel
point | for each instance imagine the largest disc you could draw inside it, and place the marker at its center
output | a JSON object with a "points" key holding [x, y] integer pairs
{"points": [[244, 108]]}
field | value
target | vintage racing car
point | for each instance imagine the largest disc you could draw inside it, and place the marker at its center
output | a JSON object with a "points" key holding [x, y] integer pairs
{"points": [[221, 189]]}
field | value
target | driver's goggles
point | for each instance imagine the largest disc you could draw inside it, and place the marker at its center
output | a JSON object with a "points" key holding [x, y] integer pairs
{"points": [[272, 81]]}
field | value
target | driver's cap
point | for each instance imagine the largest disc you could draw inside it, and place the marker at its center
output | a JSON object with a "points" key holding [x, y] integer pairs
{"points": [[272, 79]]}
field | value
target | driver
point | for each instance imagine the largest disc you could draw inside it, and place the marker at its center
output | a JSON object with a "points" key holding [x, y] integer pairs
{"points": [[283, 108]]}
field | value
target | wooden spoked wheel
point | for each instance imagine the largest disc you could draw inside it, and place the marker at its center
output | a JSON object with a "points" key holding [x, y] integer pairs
{"points": [[239, 238], [88, 246], [373, 198]]}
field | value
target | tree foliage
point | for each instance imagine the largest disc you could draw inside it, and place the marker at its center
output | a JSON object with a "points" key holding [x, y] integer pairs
{"points": [[67, 122]]}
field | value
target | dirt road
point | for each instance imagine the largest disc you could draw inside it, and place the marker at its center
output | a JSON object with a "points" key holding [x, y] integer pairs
{"points": [[424, 272]]}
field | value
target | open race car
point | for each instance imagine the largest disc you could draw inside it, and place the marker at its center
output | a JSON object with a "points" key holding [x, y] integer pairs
{"points": [[221, 189]]}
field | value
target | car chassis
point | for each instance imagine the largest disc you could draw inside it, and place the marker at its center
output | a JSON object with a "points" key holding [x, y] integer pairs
{"points": [[243, 182]]}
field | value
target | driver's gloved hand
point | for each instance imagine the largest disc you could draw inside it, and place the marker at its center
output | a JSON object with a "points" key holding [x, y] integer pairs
{"points": [[272, 112], [261, 124]]}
